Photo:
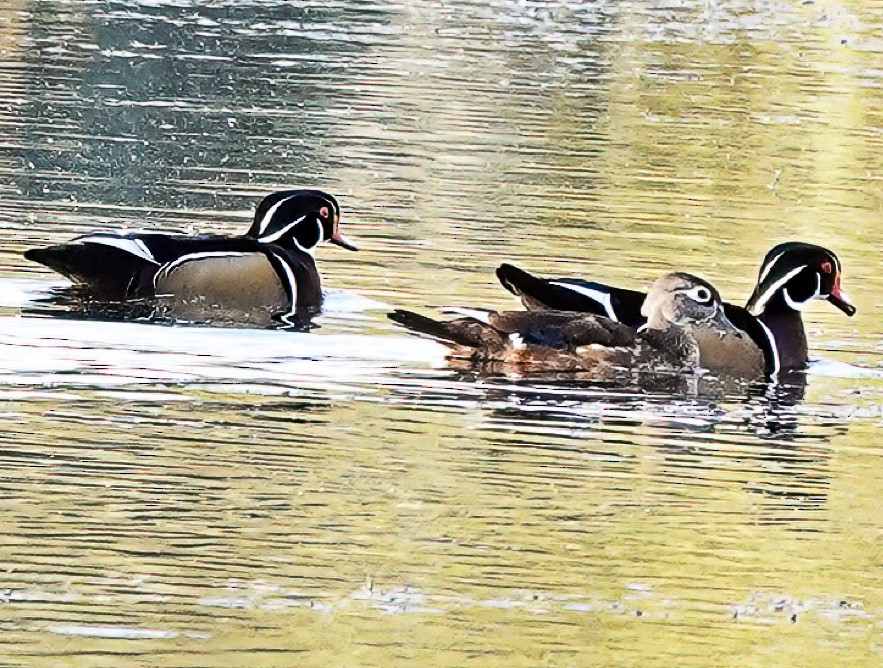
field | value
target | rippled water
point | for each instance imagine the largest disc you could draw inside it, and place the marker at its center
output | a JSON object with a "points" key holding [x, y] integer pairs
{"points": [[187, 496]]}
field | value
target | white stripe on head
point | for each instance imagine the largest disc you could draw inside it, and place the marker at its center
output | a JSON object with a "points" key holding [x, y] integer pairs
{"points": [[602, 298], [775, 350], [134, 247], [166, 270], [270, 238], [767, 268], [761, 303], [292, 287], [265, 221], [799, 306]]}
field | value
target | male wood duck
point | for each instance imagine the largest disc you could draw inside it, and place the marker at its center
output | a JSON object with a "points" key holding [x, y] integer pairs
{"points": [[791, 276], [684, 329], [267, 273]]}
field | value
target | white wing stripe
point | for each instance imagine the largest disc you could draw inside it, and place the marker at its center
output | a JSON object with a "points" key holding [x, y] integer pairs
{"points": [[482, 316], [135, 247], [603, 298]]}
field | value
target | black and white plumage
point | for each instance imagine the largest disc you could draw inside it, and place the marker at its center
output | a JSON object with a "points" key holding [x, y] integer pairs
{"points": [[268, 272], [791, 276], [685, 328]]}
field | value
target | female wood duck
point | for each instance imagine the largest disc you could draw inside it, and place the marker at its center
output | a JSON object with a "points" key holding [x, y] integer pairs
{"points": [[684, 328], [792, 275], [269, 272]]}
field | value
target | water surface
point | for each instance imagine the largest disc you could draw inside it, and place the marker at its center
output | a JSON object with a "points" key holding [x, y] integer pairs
{"points": [[191, 496]]}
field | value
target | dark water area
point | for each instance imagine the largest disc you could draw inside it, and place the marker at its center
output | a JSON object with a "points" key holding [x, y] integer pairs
{"points": [[218, 496]]}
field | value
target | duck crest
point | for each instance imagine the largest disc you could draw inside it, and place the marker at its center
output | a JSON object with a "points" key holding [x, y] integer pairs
{"points": [[792, 276], [302, 219], [798, 273]]}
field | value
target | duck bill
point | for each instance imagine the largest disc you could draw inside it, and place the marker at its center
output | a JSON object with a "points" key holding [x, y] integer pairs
{"points": [[339, 240], [841, 301]]}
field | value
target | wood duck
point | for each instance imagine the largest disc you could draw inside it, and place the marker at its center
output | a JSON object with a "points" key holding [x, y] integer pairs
{"points": [[267, 273], [791, 276], [684, 328]]}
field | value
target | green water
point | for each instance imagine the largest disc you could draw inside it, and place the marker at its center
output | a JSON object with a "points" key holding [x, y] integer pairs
{"points": [[203, 497]]}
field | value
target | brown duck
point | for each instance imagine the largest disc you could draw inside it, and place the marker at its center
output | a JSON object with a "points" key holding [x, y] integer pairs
{"points": [[686, 331]]}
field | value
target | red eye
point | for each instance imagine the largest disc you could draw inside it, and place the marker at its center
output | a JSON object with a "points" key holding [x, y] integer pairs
{"points": [[826, 267], [324, 213]]}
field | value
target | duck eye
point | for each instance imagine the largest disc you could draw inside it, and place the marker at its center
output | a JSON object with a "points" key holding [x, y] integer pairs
{"points": [[701, 295], [323, 212], [826, 267]]}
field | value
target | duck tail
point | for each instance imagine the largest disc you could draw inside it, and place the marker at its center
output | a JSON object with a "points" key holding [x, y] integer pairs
{"points": [[51, 256], [517, 281], [467, 332], [423, 325], [107, 272], [537, 294]]}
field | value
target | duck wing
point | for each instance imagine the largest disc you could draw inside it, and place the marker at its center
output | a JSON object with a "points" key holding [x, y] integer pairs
{"points": [[573, 294], [563, 329], [469, 332], [121, 266]]}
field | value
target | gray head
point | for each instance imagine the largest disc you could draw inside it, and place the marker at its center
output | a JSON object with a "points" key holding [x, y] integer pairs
{"points": [[684, 300]]}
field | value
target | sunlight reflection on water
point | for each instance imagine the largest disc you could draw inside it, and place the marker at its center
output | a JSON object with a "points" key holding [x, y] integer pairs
{"points": [[341, 496]]}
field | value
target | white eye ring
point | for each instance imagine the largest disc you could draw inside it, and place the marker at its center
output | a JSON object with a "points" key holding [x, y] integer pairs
{"points": [[700, 294]]}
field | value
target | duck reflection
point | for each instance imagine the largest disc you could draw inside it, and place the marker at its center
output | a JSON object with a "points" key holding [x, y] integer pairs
{"points": [[72, 302], [757, 437]]}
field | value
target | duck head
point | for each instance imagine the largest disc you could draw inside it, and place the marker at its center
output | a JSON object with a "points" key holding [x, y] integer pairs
{"points": [[685, 300], [794, 274], [302, 219]]}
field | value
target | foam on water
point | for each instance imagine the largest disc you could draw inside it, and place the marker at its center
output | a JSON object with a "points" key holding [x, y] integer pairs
{"points": [[21, 292], [836, 369], [113, 353]]}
